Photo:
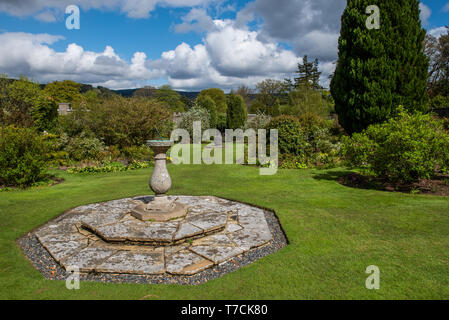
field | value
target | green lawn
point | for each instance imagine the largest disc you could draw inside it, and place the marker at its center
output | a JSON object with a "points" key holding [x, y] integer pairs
{"points": [[335, 232]]}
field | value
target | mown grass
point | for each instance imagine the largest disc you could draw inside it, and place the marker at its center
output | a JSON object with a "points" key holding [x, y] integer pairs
{"points": [[335, 232]]}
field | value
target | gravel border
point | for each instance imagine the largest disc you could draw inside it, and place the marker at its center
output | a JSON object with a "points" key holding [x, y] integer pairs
{"points": [[51, 270]]}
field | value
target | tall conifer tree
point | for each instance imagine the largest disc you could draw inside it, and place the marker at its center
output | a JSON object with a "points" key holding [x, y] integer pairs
{"points": [[379, 69], [308, 74]]}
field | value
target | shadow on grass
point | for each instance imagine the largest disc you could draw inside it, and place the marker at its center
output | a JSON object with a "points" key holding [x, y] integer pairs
{"points": [[352, 179], [332, 175]]}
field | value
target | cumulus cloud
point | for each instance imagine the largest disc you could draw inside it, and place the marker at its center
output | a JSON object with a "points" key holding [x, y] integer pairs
{"points": [[31, 55], [445, 8], [238, 53], [132, 8], [228, 57], [196, 20], [437, 32], [235, 52], [311, 26], [425, 13]]}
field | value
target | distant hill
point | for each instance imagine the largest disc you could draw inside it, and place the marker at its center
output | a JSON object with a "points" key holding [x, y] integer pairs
{"points": [[130, 92], [125, 92], [191, 95]]}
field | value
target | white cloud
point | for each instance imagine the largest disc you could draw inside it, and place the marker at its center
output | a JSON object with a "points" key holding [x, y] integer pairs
{"points": [[437, 32], [326, 68], [317, 43], [132, 8], [425, 13], [445, 8], [30, 54], [196, 20], [46, 16], [311, 27], [238, 53], [228, 57], [230, 54]]}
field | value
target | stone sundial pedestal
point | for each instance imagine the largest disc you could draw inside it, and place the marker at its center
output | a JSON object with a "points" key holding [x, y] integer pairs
{"points": [[161, 208], [155, 239]]}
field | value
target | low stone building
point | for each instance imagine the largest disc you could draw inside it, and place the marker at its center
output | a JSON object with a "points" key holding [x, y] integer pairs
{"points": [[64, 109]]}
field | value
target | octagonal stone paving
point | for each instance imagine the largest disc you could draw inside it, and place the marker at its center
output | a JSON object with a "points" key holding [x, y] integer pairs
{"points": [[105, 238]]}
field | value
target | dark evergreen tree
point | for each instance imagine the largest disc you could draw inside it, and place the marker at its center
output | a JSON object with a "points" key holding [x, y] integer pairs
{"points": [[308, 74], [236, 114], [207, 103], [45, 113], [379, 69]]}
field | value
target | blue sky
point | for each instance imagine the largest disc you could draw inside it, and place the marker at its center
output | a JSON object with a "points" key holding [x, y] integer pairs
{"points": [[189, 44]]}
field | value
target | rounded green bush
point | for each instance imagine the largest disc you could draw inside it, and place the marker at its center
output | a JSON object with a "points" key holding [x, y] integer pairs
{"points": [[406, 148], [23, 156], [318, 133], [84, 147], [292, 139]]}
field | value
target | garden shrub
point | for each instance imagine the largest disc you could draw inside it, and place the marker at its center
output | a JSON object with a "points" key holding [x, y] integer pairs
{"points": [[56, 155], [439, 102], [292, 162], [260, 121], [23, 156], [446, 124], [45, 113], [110, 167], [306, 100], [221, 122], [317, 131], [128, 122], [404, 149], [84, 147], [292, 139], [109, 154], [196, 113], [218, 96], [138, 153]]}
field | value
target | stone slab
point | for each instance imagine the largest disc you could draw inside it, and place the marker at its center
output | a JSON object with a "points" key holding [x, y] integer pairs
{"points": [[217, 254], [88, 258], [209, 221], [62, 250], [134, 262], [61, 236], [187, 230], [251, 238], [113, 232], [178, 211], [232, 227], [213, 240], [186, 262], [163, 232]]}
